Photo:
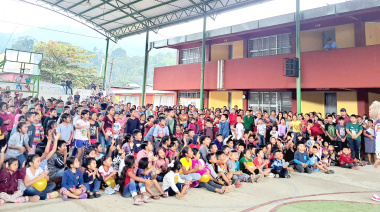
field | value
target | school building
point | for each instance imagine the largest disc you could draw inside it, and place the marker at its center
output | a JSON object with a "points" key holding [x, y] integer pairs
{"points": [[244, 63]]}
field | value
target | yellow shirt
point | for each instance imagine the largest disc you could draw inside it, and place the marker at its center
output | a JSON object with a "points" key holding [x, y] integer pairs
{"points": [[186, 164], [296, 126]]}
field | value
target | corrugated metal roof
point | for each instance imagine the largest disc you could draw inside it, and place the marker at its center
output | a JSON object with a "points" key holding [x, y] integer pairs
{"points": [[328, 10], [122, 18]]}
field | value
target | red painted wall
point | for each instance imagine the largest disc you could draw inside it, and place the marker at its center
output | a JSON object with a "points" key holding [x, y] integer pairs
{"points": [[185, 77], [343, 68]]}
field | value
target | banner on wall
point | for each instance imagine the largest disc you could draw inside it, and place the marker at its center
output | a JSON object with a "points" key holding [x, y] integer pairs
{"points": [[190, 101]]}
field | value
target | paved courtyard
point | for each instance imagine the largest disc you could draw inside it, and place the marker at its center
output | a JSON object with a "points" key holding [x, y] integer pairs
{"points": [[346, 190]]}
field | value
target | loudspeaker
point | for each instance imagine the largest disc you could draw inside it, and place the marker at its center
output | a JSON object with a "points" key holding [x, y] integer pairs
{"points": [[291, 67]]}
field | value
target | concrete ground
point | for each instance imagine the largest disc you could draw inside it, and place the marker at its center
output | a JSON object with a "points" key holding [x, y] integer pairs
{"points": [[268, 195]]}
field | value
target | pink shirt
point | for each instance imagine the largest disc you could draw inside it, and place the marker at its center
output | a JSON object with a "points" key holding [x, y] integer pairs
{"points": [[161, 163], [143, 154]]}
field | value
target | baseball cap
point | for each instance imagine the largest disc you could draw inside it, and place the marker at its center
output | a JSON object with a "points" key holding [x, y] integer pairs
{"points": [[343, 110]]}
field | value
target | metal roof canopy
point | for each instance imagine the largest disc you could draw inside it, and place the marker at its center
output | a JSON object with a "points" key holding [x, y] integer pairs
{"points": [[122, 18]]}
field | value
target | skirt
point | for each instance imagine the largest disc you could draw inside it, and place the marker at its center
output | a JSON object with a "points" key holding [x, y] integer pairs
{"points": [[370, 145]]}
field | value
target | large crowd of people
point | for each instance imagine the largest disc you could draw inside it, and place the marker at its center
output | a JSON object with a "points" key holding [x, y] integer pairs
{"points": [[76, 148]]}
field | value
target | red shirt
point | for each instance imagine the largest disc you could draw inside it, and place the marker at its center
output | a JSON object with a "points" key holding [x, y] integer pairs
{"points": [[216, 128], [347, 119], [343, 159], [127, 178], [9, 182], [316, 130], [95, 110], [198, 146], [201, 124], [232, 118]]}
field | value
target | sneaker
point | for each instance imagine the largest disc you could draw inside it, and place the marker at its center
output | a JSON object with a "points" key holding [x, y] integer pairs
{"points": [[238, 184], [83, 196], [331, 171], [90, 196], [117, 187], [288, 176], [96, 195], [64, 197], [271, 175], [258, 178], [376, 197], [109, 190]]}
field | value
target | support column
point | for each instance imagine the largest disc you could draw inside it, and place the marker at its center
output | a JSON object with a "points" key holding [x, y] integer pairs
{"points": [[178, 56], [203, 60], [245, 100], [363, 105], [145, 68], [298, 54], [176, 98], [294, 101], [206, 99], [245, 48], [105, 64], [359, 29]]}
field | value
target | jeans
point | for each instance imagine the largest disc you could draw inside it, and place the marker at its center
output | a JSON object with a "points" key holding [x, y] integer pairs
{"points": [[31, 191], [171, 192], [19, 86], [281, 172], [63, 89], [301, 169], [160, 177], [349, 165], [131, 189], [242, 177], [210, 186], [184, 125], [190, 177], [58, 174], [102, 141], [67, 88], [355, 148], [93, 187], [295, 138], [21, 159], [262, 140]]}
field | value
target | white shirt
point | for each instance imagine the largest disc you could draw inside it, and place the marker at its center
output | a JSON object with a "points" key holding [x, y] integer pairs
{"points": [[31, 176], [104, 172], [81, 134], [170, 180], [240, 130]]}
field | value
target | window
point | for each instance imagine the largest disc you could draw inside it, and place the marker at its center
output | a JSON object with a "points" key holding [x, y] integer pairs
{"points": [[193, 55], [277, 101], [271, 45]]}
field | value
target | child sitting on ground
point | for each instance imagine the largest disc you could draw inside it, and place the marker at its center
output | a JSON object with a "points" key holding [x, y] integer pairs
{"points": [[334, 157], [161, 164], [9, 178], [279, 166], [261, 164], [131, 184], [234, 167], [315, 161], [72, 181], [91, 178], [247, 166], [325, 158], [172, 183], [302, 160], [346, 161], [34, 174], [145, 171], [106, 171]]}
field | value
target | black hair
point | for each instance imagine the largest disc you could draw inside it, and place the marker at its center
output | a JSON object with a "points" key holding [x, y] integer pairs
{"points": [[10, 161], [341, 118], [203, 138], [195, 151], [84, 112], [65, 116], [164, 139], [144, 144], [225, 115], [135, 132], [49, 126], [31, 158], [70, 161], [88, 151], [129, 161], [160, 119], [208, 157], [28, 115], [88, 161], [353, 115], [224, 147], [219, 153], [143, 163], [184, 151], [20, 125], [176, 167], [127, 138], [212, 144], [156, 121], [104, 158], [258, 150], [60, 143]]}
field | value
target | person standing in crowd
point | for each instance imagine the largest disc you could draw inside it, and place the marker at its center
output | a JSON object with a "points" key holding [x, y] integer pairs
{"points": [[69, 85], [62, 84]]}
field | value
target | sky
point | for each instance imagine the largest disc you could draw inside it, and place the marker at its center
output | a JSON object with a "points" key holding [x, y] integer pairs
{"points": [[17, 16]]}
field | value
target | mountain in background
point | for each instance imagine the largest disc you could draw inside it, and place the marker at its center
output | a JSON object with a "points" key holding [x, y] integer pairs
{"points": [[128, 53], [84, 37]]}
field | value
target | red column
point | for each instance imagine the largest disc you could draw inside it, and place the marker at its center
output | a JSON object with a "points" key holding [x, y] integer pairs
{"points": [[175, 97], [205, 105], [363, 106], [245, 48], [359, 29]]}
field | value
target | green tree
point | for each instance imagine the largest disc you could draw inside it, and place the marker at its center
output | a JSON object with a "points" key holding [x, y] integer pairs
{"points": [[118, 53], [62, 60], [24, 43]]}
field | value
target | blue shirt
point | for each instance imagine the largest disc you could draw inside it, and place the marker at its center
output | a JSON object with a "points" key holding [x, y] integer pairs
{"points": [[71, 180], [277, 164], [332, 46], [150, 133], [224, 129], [300, 158]]}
